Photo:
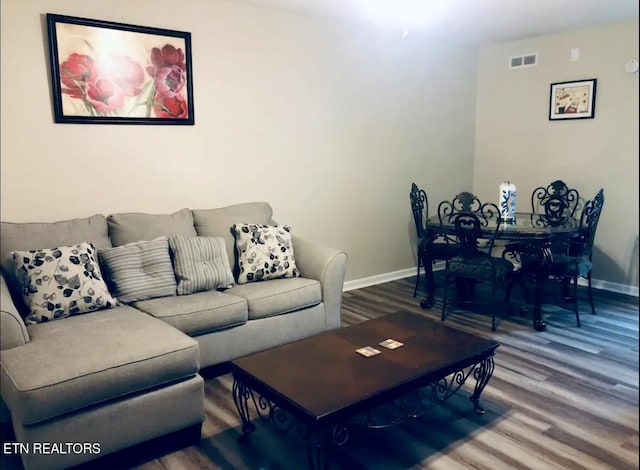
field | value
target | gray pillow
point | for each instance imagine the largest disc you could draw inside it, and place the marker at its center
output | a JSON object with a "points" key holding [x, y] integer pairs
{"points": [[218, 222], [139, 270], [131, 227], [200, 263]]}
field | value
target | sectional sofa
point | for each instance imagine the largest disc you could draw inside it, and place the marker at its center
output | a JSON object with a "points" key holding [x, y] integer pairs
{"points": [[89, 384]]}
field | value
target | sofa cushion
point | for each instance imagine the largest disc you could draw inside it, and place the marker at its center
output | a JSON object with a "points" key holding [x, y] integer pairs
{"points": [[200, 263], [264, 252], [29, 236], [134, 226], [218, 222], [139, 270], [88, 359], [277, 296], [59, 282], [198, 313]]}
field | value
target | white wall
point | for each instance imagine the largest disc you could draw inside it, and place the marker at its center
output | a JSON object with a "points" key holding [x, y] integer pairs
{"points": [[516, 141], [327, 121]]}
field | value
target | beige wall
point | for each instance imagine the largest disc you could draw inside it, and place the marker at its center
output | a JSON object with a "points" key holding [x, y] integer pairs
{"points": [[327, 121], [516, 141]]}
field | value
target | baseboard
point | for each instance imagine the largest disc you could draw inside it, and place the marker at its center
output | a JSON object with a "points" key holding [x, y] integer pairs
{"points": [[404, 273], [611, 286], [387, 277]]}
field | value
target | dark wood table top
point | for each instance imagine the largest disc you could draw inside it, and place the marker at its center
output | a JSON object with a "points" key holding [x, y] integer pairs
{"points": [[322, 378]]}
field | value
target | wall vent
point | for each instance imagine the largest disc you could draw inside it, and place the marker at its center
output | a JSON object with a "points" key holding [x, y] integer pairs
{"points": [[525, 60]]}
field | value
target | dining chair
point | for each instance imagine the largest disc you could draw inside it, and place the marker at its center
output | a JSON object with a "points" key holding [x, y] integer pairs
{"points": [[556, 201], [577, 262], [430, 246], [475, 237]]}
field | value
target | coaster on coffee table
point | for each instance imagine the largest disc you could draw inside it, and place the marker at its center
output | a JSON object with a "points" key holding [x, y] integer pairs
{"points": [[391, 344], [367, 351]]}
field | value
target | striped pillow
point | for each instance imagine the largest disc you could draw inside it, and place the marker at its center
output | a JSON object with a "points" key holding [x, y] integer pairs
{"points": [[200, 263], [139, 270]]}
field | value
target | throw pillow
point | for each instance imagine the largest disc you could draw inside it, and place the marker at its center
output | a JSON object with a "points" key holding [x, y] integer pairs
{"points": [[139, 270], [200, 263], [60, 282], [264, 252]]}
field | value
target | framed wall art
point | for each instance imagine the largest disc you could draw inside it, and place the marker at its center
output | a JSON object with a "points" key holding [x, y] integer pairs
{"points": [[112, 73], [572, 100]]}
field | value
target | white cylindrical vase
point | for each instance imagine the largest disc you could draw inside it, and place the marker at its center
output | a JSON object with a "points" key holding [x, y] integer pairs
{"points": [[507, 202]]}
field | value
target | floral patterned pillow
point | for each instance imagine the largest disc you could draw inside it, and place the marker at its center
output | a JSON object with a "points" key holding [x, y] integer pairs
{"points": [[264, 252], [60, 282]]}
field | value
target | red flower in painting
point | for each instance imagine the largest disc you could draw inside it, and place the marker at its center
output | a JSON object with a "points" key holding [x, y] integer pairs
{"points": [[126, 73], [168, 56], [75, 73], [118, 85], [170, 107], [168, 70], [170, 81], [105, 95]]}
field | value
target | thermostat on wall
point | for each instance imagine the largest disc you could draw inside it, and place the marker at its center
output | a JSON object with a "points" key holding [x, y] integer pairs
{"points": [[631, 66]]}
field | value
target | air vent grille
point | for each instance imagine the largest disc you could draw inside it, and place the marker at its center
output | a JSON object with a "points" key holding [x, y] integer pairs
{"points": [[525, 60]]}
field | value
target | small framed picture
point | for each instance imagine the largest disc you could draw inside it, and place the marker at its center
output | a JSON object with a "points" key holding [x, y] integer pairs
{"points": [[572, 100]]}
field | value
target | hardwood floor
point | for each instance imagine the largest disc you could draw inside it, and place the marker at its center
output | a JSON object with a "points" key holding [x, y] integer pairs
{"points": [[565, 398]]}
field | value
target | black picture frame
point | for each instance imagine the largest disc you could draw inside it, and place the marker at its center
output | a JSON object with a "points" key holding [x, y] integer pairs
{"points": [[104, 72], [573, 100]]}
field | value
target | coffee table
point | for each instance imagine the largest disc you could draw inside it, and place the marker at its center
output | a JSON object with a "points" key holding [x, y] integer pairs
{"points": [[320, 386]]}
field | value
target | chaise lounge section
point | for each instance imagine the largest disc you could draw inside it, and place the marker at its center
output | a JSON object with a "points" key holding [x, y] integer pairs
{"points": [[120, 376]]}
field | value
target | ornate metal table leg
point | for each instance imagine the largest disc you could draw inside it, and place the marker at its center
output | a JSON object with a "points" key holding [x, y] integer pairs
{"points": [[241, 396], [482, 374], [538, 323], [319, 450], [545, 257], [429, 283], [320, 445]]}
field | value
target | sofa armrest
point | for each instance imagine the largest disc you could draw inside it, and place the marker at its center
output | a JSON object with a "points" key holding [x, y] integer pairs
{"points": [[13, 331], [328, 266]]}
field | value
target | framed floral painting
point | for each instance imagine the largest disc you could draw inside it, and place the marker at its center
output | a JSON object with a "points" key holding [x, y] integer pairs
{"points": [[112, 73]]}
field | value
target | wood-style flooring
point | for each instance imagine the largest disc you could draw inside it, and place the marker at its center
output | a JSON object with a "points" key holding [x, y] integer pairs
{"points": [[565, 398]]}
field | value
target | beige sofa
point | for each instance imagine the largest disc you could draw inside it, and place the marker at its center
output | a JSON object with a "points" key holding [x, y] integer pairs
{"points": [[113, 378]]}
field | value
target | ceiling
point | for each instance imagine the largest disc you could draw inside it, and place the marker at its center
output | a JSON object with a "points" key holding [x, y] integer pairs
{"points": [[470, 22]]}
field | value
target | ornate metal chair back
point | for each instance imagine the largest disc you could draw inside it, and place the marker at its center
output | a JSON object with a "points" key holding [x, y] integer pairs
{"points": [[467, 202], [468, 229], [556, 201], [469, 216], [589, 221], [420, 209]]}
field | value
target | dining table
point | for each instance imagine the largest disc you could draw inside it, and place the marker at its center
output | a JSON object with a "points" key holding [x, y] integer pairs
{"points": [[537, 232]]}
